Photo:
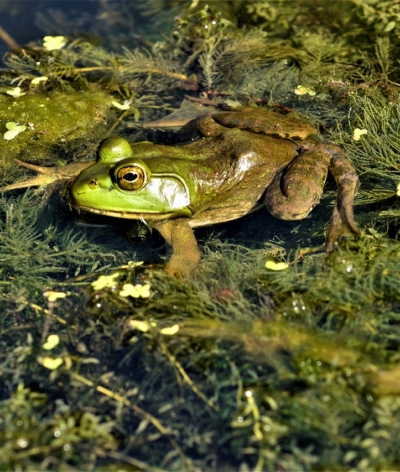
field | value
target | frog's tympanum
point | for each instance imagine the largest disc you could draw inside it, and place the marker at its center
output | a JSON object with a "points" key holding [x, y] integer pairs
{"points": [[246, 158]]}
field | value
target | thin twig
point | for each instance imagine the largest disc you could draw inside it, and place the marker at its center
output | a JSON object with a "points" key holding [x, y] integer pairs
{"points": [[139, 411], [187, 379], [8, 39], [203, 101], [105, 391], [147, 70], [129, 460], [117, 122]]}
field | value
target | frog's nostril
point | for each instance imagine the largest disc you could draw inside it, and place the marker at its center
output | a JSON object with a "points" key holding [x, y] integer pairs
{"points": [[93, 183]]}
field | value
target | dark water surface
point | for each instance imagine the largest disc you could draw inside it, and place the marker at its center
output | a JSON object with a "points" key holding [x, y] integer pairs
{"points": [[23, 19]]}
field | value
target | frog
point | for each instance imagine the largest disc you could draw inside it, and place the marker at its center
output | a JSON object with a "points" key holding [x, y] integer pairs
{"points": [[243, 159]]}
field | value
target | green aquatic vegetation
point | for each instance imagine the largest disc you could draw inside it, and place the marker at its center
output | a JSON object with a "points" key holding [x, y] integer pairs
{"points": [[278, 384], [143, 64], [28, 430], [261, 366], [276, 82], [376, 153], [381, 16], [384, 54], [320, 47], [163, 13], [273, 15], [350, 284], [35, 247], [217, 49]]}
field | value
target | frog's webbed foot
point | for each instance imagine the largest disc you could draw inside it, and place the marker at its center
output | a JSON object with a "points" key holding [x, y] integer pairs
{"points": [[47, 176], [342, 224]]}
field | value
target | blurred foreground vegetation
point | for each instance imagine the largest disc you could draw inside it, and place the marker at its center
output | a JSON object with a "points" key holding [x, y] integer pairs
{"points": [[107, 364]]}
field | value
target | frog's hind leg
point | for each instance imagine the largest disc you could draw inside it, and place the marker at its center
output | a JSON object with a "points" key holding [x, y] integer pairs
{"points": [[347, 181], [296, 190]]}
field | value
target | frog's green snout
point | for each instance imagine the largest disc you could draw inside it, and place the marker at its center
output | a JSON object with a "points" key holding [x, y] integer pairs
{"points": [[78, 188], [87, 189]]}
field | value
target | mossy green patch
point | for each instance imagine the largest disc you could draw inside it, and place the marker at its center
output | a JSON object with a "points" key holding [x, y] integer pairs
{"points": [[56, 122]]}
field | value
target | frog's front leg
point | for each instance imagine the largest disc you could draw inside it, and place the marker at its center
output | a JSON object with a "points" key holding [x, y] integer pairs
{"points": [[297, 189], [185, 251]]}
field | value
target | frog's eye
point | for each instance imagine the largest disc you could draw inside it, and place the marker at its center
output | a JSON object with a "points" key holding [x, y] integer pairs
{"points": [[131, 177]]}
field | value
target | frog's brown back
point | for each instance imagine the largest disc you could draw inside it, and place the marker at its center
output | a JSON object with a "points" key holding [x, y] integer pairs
{"points": [[242, 166]]}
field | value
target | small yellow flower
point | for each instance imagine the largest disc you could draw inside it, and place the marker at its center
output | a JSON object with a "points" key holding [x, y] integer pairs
{"points": [[301, 90], [105, 281], [357, 133], [143, 326], [132, 264], [135, 291], [171, 330], [391, 25], [52, 341], [271, 265], [16, 92], [54, 42], [13, 130], [51, 363], [53, 296], [121, 106], [39, 80]]}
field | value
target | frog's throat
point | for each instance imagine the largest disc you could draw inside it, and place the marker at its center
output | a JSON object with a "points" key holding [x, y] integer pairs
{"points": [[126, 215]]}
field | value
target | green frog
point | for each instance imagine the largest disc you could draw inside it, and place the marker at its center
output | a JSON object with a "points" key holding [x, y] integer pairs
{"points": [[244, 159]]}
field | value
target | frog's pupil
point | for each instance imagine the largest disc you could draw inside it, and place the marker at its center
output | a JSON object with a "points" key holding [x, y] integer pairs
{"points": [[131, 176]]}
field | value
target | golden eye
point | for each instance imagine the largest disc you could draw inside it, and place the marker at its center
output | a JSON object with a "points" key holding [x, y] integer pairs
{"points": [[131, 177]]}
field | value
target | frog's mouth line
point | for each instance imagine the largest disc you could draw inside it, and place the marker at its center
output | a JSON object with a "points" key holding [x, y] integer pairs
{"points": [[128, 215]]}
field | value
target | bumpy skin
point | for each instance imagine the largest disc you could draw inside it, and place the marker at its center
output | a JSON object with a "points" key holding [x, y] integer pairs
{"points": [[246, 158]]}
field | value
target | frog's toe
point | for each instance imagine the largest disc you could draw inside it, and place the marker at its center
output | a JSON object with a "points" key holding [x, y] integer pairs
{"points": [[349, 220], [342, 225], [181, 268], [39, 169], [38, 181]]}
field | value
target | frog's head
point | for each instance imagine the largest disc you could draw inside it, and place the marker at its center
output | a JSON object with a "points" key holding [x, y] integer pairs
{"points": [[126, 182]]}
